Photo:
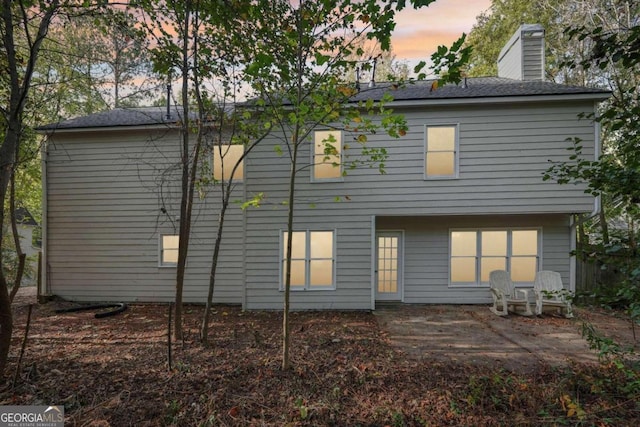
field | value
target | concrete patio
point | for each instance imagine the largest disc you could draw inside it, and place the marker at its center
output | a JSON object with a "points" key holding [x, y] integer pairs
{"points": [[472, 334]]}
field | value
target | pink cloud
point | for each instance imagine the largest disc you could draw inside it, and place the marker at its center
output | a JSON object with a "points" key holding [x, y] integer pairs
{"points": [[419, 32]]}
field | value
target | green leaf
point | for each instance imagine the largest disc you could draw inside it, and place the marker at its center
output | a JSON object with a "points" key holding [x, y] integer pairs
{"points": [[321, 59]]}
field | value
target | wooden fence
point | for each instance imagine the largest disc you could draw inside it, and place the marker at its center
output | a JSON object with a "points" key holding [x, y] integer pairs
{"points": [[590, 276]]}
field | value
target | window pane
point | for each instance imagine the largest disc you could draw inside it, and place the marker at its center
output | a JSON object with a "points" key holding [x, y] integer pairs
{"points": [[224, 159], [494, 243], [463, 243], [321, 244], [524, 242], [297, 272], [325, 171], [327, 142], [321, 273], [170, 256], [523, 269], [463, 270], [298, 245], [488, 264], [328, 145], [440, 164], [441, 138], [169, 250], [170, 242]]}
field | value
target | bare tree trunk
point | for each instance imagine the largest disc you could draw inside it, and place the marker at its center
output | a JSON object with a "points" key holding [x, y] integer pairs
{"points": [[224, 199], [7, 154], [584, 282], [603, 225], [6, 323], [189, 163], [204, 330], [286, 329], [20, 71], [183, 242], [22, 257]]}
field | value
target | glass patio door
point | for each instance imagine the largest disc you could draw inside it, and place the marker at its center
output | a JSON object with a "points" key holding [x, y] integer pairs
{"points": [[388, 266]]}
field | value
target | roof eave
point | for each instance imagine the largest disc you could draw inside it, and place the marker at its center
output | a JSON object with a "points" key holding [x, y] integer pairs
{"points": [[499, 99], [159, 126]]}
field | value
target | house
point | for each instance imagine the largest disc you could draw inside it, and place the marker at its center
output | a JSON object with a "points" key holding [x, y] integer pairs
{"points": [[462, 195], [26, 225]]}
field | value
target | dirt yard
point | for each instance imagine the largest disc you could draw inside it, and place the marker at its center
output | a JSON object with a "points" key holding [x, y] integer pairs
{"points": [[403, 366]]}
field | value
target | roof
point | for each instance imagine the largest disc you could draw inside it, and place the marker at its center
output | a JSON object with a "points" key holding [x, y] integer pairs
{"points": [[139, 116], [24, 217], [478, 87], [471, 88]]}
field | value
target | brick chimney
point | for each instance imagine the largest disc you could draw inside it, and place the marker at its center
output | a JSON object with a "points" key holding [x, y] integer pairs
{"points": [[522, 58]]}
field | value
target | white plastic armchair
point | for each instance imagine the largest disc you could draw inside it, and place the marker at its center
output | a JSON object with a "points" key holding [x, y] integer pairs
{"points": [[550, 293], [506, 295]]}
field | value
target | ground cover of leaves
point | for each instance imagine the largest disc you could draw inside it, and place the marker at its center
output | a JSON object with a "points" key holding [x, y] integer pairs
{"points": [[114, 372]]}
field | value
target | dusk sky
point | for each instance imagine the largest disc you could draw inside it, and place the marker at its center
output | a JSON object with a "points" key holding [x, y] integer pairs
{"points": [[419, 32]]}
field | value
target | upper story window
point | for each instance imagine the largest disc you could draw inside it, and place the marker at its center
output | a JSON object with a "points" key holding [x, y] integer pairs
{"points": [[169, 250], [225, 157], [476, 253], [441, 151], [312, 259], [327, 155]]}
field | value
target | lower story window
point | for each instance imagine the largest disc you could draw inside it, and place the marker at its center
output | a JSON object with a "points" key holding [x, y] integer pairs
{"points": [[476, 253], [312, 259], [169, 250]]}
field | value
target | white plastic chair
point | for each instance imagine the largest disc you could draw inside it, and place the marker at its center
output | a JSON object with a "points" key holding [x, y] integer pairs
{"points": [[506, 295], [550, 292]]}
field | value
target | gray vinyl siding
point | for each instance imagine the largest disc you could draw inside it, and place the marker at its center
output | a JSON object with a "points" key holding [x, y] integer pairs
{"points": [[104, 221], [504, 151], [352, 257], [316, 209], [104, 214], [426, 249]]}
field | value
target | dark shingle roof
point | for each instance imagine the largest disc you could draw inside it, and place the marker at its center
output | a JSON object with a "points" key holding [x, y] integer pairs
{"points": [[144, 116], [478, 87], [472, 88], [24, 217]]}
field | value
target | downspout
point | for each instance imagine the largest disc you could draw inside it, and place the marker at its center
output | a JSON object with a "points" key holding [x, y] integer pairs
{"points": [[44, 265], [597, 203], [245, 212], [373, 262], [596, 156]]}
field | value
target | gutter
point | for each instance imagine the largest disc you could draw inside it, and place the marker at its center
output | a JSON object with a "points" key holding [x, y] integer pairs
{"points": [[51, 131], [506, 99]]}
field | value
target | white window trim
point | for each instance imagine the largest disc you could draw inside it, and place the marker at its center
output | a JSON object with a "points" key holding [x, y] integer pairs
{"points": [[313, 157], [479, 283], [456, 154], [161, 252], [307, 286]]}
